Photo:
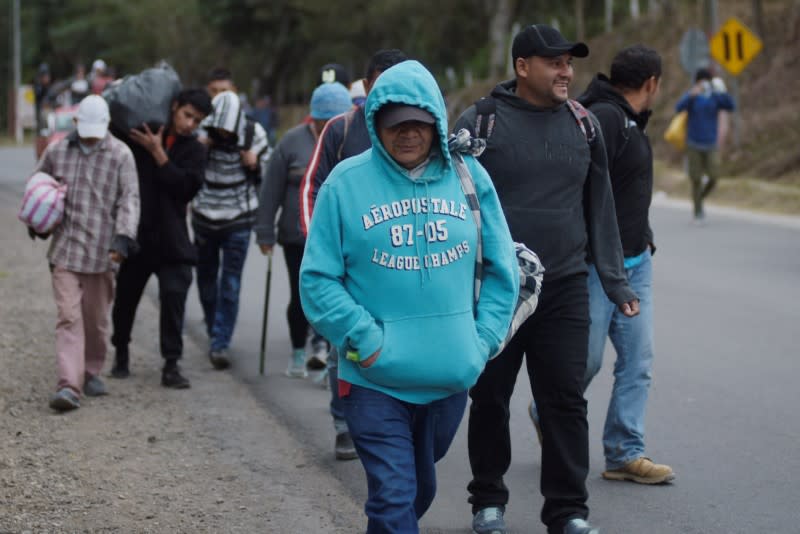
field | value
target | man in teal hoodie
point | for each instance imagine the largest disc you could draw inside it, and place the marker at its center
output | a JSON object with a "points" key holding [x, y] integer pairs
{"points": [[388, 277]]}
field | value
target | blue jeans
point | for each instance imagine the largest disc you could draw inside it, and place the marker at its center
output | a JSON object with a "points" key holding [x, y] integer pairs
{"points": [[398, 444], [219, 291], [632, 337]]}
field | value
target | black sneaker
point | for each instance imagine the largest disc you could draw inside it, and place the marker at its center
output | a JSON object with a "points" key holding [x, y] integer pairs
{"points": [[219, 359], [319, 353], [171, 377], [344, 448], [579, 526], [120, 369]]}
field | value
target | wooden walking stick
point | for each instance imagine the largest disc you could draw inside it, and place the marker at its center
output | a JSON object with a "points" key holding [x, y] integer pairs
{"points": [[266, 315]]}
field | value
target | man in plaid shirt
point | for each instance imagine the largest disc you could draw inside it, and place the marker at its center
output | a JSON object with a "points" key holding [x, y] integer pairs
{"points": [[101, 213]]}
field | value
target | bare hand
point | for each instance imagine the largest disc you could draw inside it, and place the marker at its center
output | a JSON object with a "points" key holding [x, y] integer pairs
{"points": [[369, 361], [630, 309], [266, 250], [249, 159], [115, 256], [697, 88], [152, 142]]}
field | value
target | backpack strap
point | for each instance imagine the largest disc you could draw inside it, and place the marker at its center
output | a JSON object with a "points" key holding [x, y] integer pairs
{"points": [[584, 120], [468, 186], [485, 118], [625, 125]]}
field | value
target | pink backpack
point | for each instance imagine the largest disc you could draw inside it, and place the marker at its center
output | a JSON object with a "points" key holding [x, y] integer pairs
{"points": [[43, 204]]}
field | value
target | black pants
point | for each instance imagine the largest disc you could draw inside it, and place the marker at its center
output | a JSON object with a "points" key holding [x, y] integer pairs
{"points": [[554, 342], [298, 324], [173, 286]]}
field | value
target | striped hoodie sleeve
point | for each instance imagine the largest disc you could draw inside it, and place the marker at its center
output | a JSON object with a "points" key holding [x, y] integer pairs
{"points": [[323, 160]]}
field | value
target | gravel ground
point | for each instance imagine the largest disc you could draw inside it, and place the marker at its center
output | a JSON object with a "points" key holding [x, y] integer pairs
{"points": [[143, 458]]}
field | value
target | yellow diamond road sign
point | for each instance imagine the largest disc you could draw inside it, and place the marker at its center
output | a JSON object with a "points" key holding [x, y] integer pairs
{"points": [[734, 46]]}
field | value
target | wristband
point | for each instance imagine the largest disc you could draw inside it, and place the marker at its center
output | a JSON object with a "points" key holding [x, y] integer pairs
{"points": [[353, 356]]}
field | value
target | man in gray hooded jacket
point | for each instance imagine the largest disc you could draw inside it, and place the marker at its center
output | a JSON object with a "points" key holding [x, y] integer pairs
{"points": [[547, 160]]}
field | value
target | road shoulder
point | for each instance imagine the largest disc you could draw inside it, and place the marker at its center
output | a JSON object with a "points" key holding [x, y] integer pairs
{"points": [[144, 458]]}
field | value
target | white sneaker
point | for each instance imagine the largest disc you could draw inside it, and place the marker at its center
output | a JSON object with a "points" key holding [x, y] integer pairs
{"points": [[297, 364]]}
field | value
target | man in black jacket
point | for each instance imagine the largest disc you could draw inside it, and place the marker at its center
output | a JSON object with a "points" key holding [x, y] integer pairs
{"points": [[547, 160], [171, 164], [622, 105]]}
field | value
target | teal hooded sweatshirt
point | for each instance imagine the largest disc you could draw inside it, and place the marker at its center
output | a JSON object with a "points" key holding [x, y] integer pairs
{"points": [[389, 262]]}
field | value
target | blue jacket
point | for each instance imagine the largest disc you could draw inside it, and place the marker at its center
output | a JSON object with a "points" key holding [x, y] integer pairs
{"points": [[389, 263], [701, 132]]}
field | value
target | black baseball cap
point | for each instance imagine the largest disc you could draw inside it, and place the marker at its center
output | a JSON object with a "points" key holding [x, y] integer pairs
{"points": [[334, 72], [545, 41], [392, 114]]}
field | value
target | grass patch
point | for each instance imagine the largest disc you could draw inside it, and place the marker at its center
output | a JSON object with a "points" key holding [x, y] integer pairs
{"points": [[781, 197]]}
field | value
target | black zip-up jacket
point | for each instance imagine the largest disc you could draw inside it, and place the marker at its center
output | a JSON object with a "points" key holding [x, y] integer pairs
{"points": [[165, 194], [630, 162], [554, 188]]}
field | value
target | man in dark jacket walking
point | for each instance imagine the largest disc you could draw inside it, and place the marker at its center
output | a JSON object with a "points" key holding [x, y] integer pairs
{"points": [[622, 105], [170, 163], [547, 160], [279, 193], [343, 137]]}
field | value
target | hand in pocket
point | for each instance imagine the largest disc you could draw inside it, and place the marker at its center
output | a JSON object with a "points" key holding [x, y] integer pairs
{"points": [[371, 360]]}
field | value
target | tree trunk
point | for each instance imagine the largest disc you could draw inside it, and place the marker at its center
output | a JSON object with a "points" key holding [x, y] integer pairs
{"points": [[758, 20], [795, 23], [580, 29], [634, 9], [609, 16], [499, 28]]}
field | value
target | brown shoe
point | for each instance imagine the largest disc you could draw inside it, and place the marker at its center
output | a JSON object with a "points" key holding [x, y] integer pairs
{"points": [[643, 471]]}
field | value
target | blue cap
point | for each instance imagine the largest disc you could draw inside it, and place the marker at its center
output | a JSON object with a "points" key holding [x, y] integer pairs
{"points": [[329, 100]]}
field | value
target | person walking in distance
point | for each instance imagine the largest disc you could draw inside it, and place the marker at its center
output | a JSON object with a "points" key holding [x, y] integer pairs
{"points": [[280, 191], [344, 136], [547, 160], [703, 104], [98, 231], [622, 104], [171, 165]]}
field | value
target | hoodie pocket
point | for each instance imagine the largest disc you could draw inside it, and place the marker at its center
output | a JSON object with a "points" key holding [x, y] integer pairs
{"points": [[423, 353]]}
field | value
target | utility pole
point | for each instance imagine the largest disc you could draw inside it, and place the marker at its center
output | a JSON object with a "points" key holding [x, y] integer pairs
{"points": [[17, 71]]}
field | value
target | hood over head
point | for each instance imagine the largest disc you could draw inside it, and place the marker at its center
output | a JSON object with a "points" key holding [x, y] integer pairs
{"points": [[227, 114], [411, 84]]}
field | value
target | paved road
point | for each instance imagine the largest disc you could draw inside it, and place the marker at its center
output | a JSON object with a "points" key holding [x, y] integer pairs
{"points": [[723, 403]]}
